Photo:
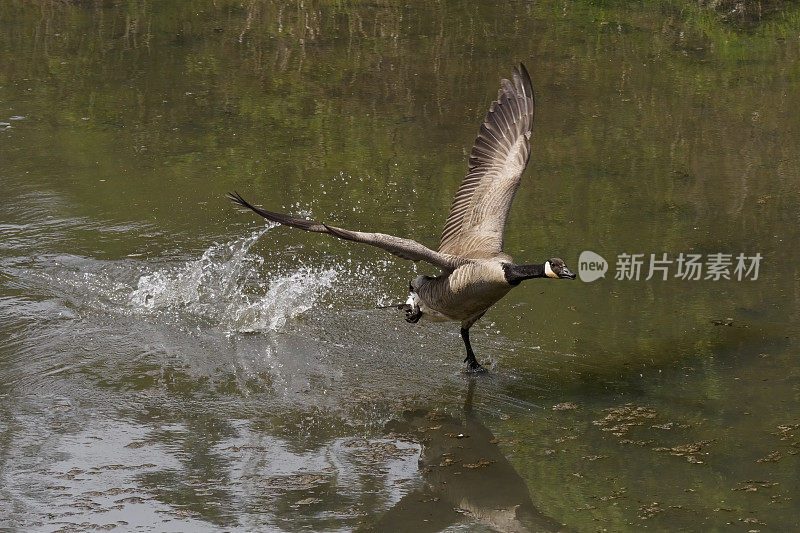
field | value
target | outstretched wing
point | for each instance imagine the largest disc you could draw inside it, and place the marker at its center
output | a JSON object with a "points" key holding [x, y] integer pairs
{"points": [[405, 248], [478, 214]]}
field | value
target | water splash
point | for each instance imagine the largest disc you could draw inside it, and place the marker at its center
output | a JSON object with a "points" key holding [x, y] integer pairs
{"points": [[287, 297], [226, 287]]}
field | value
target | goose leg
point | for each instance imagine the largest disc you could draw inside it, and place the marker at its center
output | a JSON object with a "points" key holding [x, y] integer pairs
{"points": [[474, 365]]}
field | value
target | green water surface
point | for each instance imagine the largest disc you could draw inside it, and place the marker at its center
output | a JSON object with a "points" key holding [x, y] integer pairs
{"points": [[168, 363]]}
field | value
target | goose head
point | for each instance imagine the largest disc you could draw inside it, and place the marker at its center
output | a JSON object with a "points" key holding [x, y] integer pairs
{"points": [[557, 268]]}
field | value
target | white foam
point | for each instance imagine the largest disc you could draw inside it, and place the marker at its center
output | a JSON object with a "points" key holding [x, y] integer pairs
{"points": [[226, 287]]}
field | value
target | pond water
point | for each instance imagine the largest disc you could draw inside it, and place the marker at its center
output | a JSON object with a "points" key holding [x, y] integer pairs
{"points": [[170, 363]]}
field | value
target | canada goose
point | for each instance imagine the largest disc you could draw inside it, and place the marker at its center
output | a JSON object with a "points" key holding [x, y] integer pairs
{"points": [[475, 272]]}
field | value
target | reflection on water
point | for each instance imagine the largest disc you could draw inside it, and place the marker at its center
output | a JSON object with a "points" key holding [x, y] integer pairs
{"points": [[464, 473], [167, 364]]}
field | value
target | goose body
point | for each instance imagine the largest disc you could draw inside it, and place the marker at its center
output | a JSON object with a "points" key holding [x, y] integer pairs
{"points": [[475, 272], [463, 295]]}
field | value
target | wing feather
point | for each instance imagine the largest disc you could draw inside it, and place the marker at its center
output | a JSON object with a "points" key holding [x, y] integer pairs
{"points": [[405, 248], [474, 228]]}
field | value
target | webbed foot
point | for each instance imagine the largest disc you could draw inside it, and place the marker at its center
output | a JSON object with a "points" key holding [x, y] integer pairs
{"points": [[473, 366], [413, 315], [477, 369], [413, 310]]}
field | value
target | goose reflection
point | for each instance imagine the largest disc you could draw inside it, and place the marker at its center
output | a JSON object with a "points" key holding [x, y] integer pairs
{"points": [[465, 474]]}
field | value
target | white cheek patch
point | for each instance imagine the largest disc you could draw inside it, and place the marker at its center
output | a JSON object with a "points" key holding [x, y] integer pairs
{"points": [[413, 300], [549, 271]]}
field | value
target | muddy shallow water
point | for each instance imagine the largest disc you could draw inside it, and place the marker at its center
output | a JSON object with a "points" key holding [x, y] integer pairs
{"points": [[169, 363]]}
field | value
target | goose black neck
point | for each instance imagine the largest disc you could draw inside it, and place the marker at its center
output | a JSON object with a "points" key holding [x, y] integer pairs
{"points": [[516, 274]]}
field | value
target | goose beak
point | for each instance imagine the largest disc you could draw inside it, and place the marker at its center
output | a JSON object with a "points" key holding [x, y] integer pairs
{"points": [[566, 274]]}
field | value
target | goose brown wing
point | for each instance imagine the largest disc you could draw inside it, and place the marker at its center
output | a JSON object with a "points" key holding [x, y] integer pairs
{"points": [[405, 248], [474, 228]]}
